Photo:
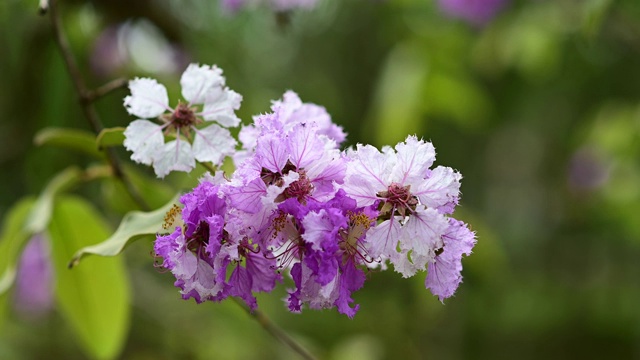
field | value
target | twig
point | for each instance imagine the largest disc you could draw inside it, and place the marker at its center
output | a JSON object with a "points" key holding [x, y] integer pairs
{"points": [[208, 166], [275, 331], [93, 95], [87, 97]]}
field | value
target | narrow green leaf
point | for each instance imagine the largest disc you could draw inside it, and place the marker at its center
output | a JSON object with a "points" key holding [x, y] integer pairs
{"points": [[134, 226], [14, 237], [73, 139], [41, 211], [110, 137], [94, 298]]}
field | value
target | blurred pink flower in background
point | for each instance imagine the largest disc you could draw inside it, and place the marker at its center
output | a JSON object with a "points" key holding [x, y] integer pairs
{"points": [[34, 279]]}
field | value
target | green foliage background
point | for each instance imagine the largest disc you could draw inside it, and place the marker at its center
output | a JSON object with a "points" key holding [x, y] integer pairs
{"points": [[539, 110]]}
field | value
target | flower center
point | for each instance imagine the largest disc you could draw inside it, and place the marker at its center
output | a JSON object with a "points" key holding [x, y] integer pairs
{"points": [[397, 200], [350, 242], [199, 239], [272, 178], [298, 189], [183, 116]]}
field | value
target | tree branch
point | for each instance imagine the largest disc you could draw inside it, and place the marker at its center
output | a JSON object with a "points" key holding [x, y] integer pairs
{"points": [[86, 97], [275, 331]]}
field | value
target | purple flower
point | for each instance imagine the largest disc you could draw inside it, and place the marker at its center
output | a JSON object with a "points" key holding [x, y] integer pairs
{"points": [[211, 240], [477, 12], [200, 85], [443, 276], [327, 243], [34, 279]]}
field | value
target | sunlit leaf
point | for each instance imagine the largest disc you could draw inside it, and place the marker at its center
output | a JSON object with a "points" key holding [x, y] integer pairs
{"points": [[135, 225], [110, 137], [41, 211], [93, 298], [73, 139]]}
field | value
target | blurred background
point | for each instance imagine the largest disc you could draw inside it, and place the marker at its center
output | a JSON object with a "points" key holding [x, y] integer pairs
{"points": [[536, 103]]}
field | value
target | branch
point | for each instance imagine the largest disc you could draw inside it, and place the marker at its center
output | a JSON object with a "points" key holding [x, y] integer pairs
{"points": [[87, 97], [93, 95], [275, 331]]}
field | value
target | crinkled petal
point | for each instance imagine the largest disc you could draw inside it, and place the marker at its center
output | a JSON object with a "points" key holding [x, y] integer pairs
{"points": [[148, 99], [443, 275], [272, 153], [304, 146], [144, 139], [423, 231], [317, 227], [213, 144], [247, 197], [352, 279], [197, 81], [174, 156], [240, 282], [262, 271], [220, 105], [441, 188], [414, 157], [362, 189], [384, 237]]}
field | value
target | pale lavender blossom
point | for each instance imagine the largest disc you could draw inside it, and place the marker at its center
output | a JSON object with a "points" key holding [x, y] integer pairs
{"points": [[412, 200], [34, 278], [477, 12], [285, 115], [201, 85]]}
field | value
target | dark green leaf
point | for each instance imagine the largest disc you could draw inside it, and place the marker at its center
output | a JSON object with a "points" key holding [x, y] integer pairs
{"points": [[94, 298], [79, 140], [134, 226]]}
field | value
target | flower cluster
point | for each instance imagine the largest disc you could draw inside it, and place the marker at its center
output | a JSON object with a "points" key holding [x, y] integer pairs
{"points": [[297, 204]]}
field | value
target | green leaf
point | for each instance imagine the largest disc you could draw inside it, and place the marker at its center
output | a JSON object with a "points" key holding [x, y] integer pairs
{"points": [[135, 225], [93, 298], [14, 236], [73, 139], [110, 137], [41, 211]]}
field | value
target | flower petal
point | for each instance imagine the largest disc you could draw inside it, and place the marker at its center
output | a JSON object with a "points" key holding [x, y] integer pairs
{"points": [[144, 139], [197, 81], [220, 105], [440, 190], [174, 156], [148, 99], [213, 143], [443, 275]]}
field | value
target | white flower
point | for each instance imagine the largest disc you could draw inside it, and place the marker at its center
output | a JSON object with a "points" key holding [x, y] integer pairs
{"points": [[201, 85]]}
